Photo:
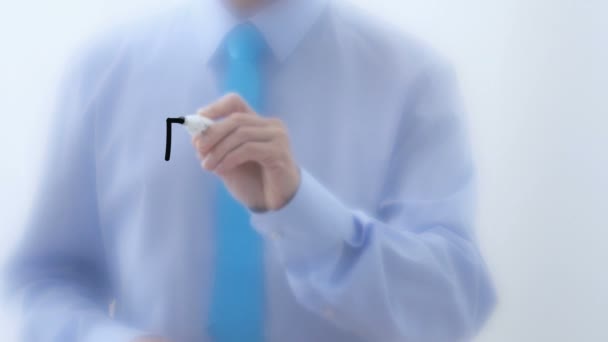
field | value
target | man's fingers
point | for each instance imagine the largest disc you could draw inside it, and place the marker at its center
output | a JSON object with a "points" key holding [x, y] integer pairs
{"points": [[213, 135], [252, 151], [238, 137], [228, 104]]}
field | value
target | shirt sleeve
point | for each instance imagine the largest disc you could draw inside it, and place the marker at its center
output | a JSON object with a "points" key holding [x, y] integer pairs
{"points": [[411, 269], [59, 269]]}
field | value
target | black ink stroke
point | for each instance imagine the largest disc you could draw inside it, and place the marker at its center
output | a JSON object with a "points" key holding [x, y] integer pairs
{"points": [[170, 121]]}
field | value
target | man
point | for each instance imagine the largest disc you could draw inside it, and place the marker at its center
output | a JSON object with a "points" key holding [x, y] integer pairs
{"points": [[330, 201]]}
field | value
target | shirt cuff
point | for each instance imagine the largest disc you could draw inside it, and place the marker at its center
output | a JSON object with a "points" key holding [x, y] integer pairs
{"points": [[314, 224]]}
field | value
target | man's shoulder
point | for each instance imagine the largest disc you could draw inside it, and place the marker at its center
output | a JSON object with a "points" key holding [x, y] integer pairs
{"points": [[133, 41], [377, 41]]}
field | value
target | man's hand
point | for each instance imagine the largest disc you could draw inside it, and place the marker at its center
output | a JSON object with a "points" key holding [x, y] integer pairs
{"points": [[250, 153]]}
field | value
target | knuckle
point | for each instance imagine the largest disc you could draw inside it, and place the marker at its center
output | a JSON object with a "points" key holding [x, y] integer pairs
{"points": [[239, 118], [251, 149], [281, 127], [243, 133], [237, 102], [210, 161], [277, 132], [267, 154], [231, 160], [248, 148], [209, 137], [280, 136], [232, 97], [196, 140], [276, 122], [210, 131]]}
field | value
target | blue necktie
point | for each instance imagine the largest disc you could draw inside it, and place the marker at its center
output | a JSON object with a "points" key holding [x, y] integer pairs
{"points": [[237, 305]]}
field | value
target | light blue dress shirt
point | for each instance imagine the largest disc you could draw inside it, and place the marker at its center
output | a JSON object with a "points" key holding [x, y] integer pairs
{"points": [[376, 245]]}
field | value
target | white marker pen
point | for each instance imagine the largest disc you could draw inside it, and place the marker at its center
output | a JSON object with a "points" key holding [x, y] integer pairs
{"points": [[195, 124]]}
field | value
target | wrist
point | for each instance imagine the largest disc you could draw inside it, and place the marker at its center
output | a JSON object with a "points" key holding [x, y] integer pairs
{"points": [[296, 177], [290, 187]]}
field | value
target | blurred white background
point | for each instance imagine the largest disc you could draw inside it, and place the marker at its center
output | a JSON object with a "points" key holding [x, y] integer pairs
{"points": [[535, 76]]}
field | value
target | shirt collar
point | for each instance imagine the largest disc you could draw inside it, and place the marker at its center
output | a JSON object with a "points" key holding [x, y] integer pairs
{"points": [[283, 24]]}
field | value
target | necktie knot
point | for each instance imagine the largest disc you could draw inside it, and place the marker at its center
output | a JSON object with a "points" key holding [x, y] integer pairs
{"points": [[245, 43], [245, 47]]}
